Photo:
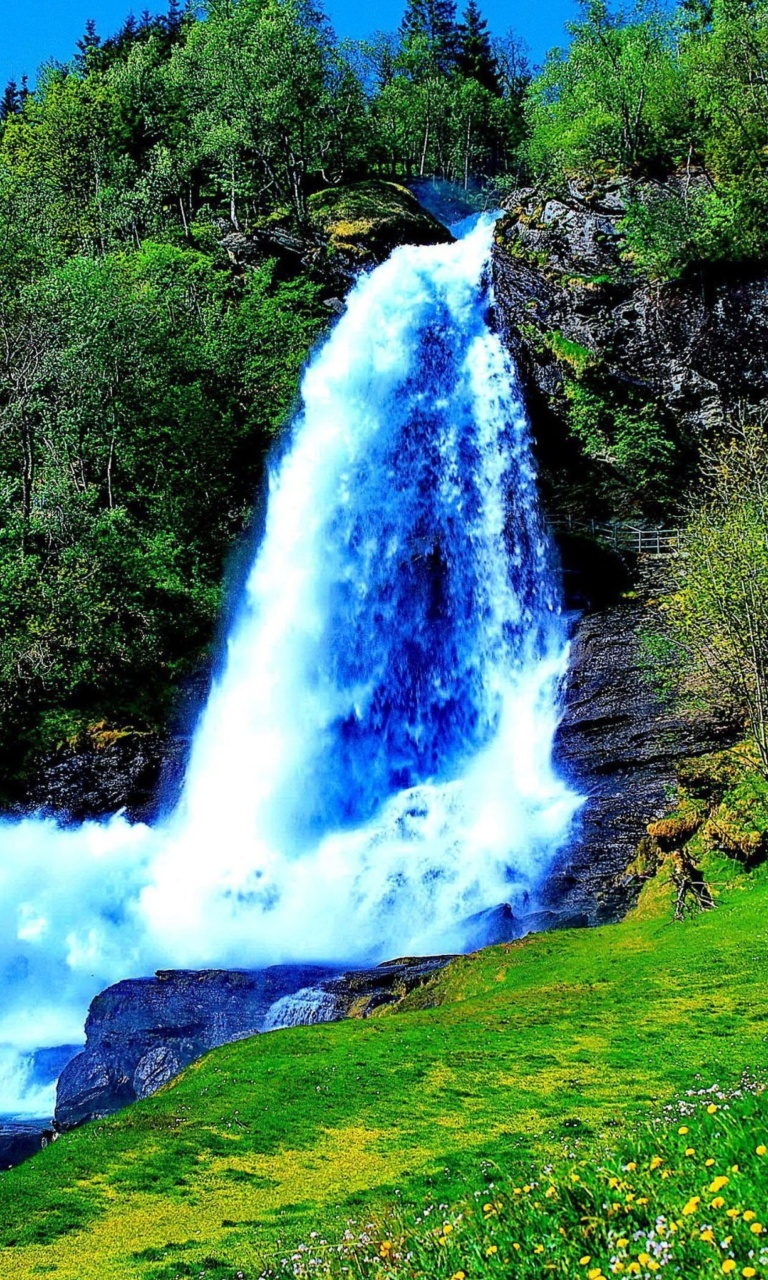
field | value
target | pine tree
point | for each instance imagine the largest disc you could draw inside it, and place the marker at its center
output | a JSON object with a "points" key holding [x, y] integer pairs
{"points": [[434, 21], [475, 56], [88, 48], [9, 103], [697, 15], [174, 18]]}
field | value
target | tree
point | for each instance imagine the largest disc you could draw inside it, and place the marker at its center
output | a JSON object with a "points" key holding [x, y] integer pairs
{"points": [[696, 15], [10, 102], [719, 614], [434, 23], [475, 57], [89, 46]]}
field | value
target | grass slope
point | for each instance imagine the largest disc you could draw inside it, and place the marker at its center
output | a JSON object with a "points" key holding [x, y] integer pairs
{"points": [[507, 1057]]}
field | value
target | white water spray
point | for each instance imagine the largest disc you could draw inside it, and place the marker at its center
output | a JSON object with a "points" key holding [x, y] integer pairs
{"points": [[374, 761]]}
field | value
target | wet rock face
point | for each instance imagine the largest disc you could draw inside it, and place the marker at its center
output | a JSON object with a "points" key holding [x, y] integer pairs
{"points": [[20, 1139], [619, 745], [92, 779], [695, 347], [141, 1033]]}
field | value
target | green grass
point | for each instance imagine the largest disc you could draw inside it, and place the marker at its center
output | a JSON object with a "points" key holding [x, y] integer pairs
{"points": [[685, 1195], [500, 1063]]}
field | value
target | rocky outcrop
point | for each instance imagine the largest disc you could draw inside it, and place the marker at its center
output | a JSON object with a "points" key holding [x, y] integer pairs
{"points": [[568, 300], [141, 1033], [620, 745], [20, 1139], [105, 773], [349, 229]]}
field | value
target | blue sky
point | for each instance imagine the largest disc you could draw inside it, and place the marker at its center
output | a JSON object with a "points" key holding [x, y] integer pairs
{"points": [[33, 31]]}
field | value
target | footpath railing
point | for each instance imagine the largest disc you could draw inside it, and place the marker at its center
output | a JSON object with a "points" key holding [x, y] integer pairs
{"points": [[622, 536]]}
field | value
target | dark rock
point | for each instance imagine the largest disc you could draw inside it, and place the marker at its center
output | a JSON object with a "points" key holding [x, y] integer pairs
{"points": [[96, 777], [693, 348], [500, 924], [620, 745], [20, 1139], [141, 1033]]}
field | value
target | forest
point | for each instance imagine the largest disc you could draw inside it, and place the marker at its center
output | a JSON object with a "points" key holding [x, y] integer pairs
{"points": [[144, 377]]}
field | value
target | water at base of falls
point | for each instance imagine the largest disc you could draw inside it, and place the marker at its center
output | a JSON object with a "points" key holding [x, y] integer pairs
{"points": [[373, 764]]}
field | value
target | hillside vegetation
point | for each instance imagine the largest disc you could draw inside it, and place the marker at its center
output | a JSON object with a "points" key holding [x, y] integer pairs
{"points": [[511, 1060], [144, 376]]}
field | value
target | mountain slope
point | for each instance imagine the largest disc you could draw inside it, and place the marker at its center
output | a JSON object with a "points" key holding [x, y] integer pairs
{"points": [[507, 1052]]}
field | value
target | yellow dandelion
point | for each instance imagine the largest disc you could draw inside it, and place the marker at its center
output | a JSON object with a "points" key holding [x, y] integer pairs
{"points": [[683, 1128], [622, 1243], [630, 1168], [656, 1161], [709, 1162], [732, 1213], [762, 1150], [717, 1203], [488, 1208], [708, 1236], [594, 1273], [734, 1168], [749, 1215], [749, 1272], [516, 1246], [550, 1193], [728, 1266], [585, 1261], [492, 1248], [717, 1184], [617, 1267], [613, 1182], [526, 1189], [538, 1248], [690, 1151], [711, 1108], [459, 1275], [642, 1200], [652, 1264], [691, 1206], [644, 1258], [756, 1228], [385, 1248], [634, 1268]]}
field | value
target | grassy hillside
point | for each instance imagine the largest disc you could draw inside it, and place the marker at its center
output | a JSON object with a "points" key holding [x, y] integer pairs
{"points": [[509, 1059]]}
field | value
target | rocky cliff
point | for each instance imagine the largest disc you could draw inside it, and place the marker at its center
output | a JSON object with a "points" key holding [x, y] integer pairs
{"points": [[620, 744], [141, 1033], [591, 337], [587, 330]]}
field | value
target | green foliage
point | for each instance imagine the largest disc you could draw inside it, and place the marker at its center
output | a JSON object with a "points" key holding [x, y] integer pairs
{"points": [[684, 1191], [139, 393], [718, 616], [510, 1064], [676, 103], [619, 428]]}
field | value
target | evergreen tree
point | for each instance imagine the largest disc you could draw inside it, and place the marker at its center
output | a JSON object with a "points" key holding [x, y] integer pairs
{"points": [[697, 15], [9, 103], [174, 19], [475, 55], [435, 22], [89, 47]]}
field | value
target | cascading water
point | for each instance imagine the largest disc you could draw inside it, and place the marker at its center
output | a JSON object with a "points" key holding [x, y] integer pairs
{"points": [[374, 761]]}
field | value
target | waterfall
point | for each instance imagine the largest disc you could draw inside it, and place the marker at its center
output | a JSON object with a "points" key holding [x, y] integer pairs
{"points": [[302, 1009], [373, 764]]}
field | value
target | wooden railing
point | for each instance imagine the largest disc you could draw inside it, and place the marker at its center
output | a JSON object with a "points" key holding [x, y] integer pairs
{"points": [[635, 538]]}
